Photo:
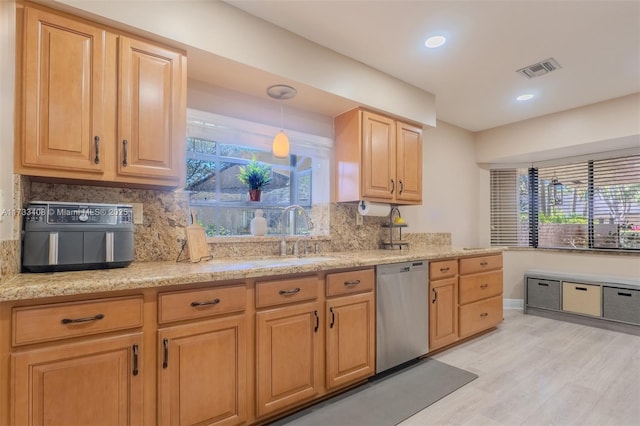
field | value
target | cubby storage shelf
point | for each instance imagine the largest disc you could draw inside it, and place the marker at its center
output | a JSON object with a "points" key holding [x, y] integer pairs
{"points": [[601, 301]]}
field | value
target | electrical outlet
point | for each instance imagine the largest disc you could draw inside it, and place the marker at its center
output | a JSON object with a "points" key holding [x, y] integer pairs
{"points": [[138, 217], [359, 219]]}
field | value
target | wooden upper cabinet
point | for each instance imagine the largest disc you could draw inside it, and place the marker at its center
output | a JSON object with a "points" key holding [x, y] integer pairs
{"points": [[86, 89], [409, 162], [378, 159], [151, 104], [63, 94], [378, 156]]}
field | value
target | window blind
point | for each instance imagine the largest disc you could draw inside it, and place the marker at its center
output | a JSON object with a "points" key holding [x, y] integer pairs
{"points": [[587, 204], [509, 207]]}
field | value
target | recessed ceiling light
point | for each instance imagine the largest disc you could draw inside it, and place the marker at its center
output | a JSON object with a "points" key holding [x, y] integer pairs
{"points": [[525, 97], [435, 41]]}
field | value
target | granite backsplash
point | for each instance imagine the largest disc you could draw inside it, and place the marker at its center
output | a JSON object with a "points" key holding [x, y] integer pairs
{"points": [[165, 216]]}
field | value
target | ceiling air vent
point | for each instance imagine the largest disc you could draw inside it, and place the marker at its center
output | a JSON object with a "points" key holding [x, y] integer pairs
{"points": [[541, 68]]}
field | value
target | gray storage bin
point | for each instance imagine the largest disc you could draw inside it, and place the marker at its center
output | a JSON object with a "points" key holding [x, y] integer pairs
{"points": [[621, 304], [543, 293]]}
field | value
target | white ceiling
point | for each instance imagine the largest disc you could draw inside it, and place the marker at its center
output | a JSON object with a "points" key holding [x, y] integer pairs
{"points": [[473, 76]]}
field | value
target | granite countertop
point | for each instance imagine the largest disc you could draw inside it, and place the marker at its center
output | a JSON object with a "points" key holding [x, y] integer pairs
{"points": [[158, 274]]}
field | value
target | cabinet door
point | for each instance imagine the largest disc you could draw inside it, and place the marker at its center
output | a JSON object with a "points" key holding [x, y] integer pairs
{"points": [[97, 382], [63, 97], [288, 356], [202, 373], [378, 157], [350, 339], [409, 162], [151, 113], [443, 315]]}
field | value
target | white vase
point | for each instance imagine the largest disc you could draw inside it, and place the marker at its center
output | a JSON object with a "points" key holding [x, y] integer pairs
{"points": [[258, 224]]}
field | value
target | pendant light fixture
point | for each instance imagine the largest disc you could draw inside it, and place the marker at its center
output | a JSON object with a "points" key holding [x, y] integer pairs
{"points": [[280, 146]]}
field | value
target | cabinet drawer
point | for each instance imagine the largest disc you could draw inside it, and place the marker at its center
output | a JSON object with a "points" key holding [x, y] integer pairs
{"points": [[543, 293], [621, 304], [478, 316], [350, 282], [59, 321], [182, 305], [581, 298], [443, 269], [479, 286], [282, 292], [471, 265]]}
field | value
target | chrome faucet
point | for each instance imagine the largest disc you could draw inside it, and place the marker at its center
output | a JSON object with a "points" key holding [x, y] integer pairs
{"points": [[283, 225]]}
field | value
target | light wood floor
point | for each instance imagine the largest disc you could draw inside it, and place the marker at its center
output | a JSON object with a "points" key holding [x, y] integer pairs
{"points": [[538, 371]]}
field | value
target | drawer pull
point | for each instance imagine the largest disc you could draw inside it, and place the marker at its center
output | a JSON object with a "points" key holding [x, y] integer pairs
{"points": [[292, 291], [135, 360], [85, 319], [444, 269], [581, 288], [333, 318], [483, 286], [208, 302], [484, 314], [543, 284], [350, 283], [625, 294], [165, 353], [317, 321], [484, 263]]}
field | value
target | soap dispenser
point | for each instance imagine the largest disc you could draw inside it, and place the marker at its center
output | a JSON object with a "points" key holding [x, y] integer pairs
{"points": [[258, 224]]}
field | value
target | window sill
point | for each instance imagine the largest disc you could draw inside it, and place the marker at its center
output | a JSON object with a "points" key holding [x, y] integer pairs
{"points": [[606, 252], [250, 239]]}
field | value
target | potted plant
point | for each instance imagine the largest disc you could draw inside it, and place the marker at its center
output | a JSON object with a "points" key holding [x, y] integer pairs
{"points": [[255, 175]]}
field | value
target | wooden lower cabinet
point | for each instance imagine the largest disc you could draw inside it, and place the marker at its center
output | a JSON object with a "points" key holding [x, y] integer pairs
{"points": [[443, 315], [202, 373], [288, 356], [350, 343], [97, 382], [481, 315]]}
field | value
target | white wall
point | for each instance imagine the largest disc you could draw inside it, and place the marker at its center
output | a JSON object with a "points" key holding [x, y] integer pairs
{"points": [[609, 125], [449, 186], [7, 90]]}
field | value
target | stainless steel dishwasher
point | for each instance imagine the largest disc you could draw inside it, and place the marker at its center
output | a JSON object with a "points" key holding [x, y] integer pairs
{"points": [[402, 313]]}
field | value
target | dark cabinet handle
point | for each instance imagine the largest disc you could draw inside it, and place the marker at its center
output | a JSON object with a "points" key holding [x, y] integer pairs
{"points": [[393, 186], [165, 353], [135, 360], [333, 318], [581, 288], [317, 321], [435, 296], [483, 286], [350, 283], [484, 263], [543, 284], [96, 143], [401, 187], [208, 302], [444, 269], [124, 150], [85, 319], [484, 314], [625, 294], [292, 291]]}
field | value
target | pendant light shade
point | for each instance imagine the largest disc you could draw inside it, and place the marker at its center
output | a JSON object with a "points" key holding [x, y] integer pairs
{"points": [[280, 147]]}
